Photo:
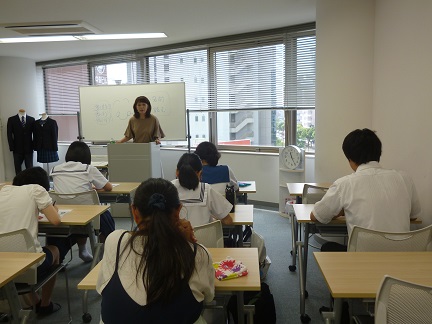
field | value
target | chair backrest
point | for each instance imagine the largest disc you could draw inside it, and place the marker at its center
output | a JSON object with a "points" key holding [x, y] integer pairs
{"points": [[82, 198], [20, 241], [367, 240], [401, 302], [210, 235], [312, 194]]}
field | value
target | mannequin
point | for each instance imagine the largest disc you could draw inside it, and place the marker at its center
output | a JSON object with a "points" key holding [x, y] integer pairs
{"points": [[20, 139], [45, 139]]}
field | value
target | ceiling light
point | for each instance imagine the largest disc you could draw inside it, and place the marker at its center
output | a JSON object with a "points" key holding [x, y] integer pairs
{"points": [[65, 38], [121, 36], [38, 39]]}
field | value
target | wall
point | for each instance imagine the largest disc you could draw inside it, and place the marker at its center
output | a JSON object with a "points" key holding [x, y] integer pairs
{"points": [[344, 69], [17, 90], [374, 70], [402, 90]]}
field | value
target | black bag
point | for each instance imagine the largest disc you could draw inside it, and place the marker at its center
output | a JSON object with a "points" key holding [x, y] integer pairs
{"points": [[230, 196], [265, 311]]}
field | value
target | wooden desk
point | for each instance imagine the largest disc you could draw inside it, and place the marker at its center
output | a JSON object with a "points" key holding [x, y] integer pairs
{"points": [[359, 274], [78, 220], [12, 264], [122, 193], [251, 282], [248, 189], [243, 215], [302, 217]]}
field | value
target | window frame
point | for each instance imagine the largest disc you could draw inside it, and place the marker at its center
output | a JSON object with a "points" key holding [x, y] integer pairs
{"points": [[141, 57]]}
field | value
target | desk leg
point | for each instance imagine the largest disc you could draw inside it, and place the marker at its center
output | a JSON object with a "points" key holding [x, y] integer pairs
{"points": [[18, 315], [245, 198], [337, 310], [240, 307], [303, 254], [294, 239]]}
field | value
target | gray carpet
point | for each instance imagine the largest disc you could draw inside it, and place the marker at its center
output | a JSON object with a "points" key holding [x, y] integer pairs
{"points": [[283, 284]]}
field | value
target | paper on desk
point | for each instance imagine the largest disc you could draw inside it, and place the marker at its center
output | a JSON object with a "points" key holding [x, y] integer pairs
{"points": [[229, 269], [61, 212], [115, 184]]}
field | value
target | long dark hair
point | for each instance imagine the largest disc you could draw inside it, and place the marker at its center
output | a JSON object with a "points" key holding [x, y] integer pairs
{"points": [[188, 166], [146, 101], [167, 256]]}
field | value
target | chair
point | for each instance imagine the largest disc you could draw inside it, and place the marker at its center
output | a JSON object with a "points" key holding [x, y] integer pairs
{"points": [[367, 240], [82, 198], [312, 194], [22, 241], [210, 235], [400, 302]]}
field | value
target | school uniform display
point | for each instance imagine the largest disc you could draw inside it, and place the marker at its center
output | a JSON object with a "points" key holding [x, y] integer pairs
{"points": [[219, 174], [122, 289], [20, 139], [202, 204], [45, 137]]}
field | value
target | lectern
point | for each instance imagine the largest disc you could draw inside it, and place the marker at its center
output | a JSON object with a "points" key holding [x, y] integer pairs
{"points": [[133, 162]]}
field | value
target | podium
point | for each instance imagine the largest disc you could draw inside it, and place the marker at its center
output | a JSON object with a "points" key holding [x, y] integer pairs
{"points": [[133, 162]]}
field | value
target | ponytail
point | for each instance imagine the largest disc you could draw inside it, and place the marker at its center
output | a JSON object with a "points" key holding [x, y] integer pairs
{"points": [[187, 167]]}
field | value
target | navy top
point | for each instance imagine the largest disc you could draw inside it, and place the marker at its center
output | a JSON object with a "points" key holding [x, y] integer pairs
{"points": [[118, 307], [215, 174]]}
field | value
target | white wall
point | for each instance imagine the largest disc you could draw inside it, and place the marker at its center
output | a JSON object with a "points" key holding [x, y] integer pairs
{"points": [[402, 112], [344, 80], [17, 90], [374, 70]]}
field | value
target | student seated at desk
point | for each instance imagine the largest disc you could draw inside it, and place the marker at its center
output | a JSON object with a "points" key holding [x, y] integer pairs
{"points": [[158, 273], [77, 175], [201, 202], [372, 197], [20, 205], [213, 173]]}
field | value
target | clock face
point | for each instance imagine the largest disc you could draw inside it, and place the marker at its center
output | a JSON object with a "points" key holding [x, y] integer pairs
{"points": [[291, 156]]}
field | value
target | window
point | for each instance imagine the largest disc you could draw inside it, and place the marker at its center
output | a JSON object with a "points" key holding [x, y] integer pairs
{"points": [[62, 97], [256, 89], [256, 83]]}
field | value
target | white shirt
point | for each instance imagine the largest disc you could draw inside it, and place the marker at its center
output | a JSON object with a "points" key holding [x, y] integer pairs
{"points": [[202, 204], [20, 206], [373, 198], [201, 282], [74, 177]]}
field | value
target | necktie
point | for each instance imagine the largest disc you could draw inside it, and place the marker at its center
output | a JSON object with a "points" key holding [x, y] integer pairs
{"points": [[22, 121]]}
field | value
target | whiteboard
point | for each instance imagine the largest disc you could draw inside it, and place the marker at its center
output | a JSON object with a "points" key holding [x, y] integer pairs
{"points": [[106, 110]]}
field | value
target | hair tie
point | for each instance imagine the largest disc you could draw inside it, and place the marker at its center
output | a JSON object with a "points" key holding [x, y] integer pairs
{"points": [[157, 200]]}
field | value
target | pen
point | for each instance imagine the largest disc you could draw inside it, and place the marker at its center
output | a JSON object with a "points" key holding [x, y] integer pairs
{"points": [[54, 203]]}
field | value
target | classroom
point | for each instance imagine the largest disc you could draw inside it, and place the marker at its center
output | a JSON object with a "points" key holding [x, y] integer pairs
{"points": [[366, 77]]}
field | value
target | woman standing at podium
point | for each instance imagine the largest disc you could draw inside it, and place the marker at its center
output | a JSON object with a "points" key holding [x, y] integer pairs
{"points": [[143, 127]]}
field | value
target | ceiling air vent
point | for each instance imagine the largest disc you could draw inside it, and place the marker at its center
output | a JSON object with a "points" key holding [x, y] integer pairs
{"points": [[52, 28]]}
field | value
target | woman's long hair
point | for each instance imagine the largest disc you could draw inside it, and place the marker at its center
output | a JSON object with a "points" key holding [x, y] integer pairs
{"points": [[188, 166], [167, 257]]}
